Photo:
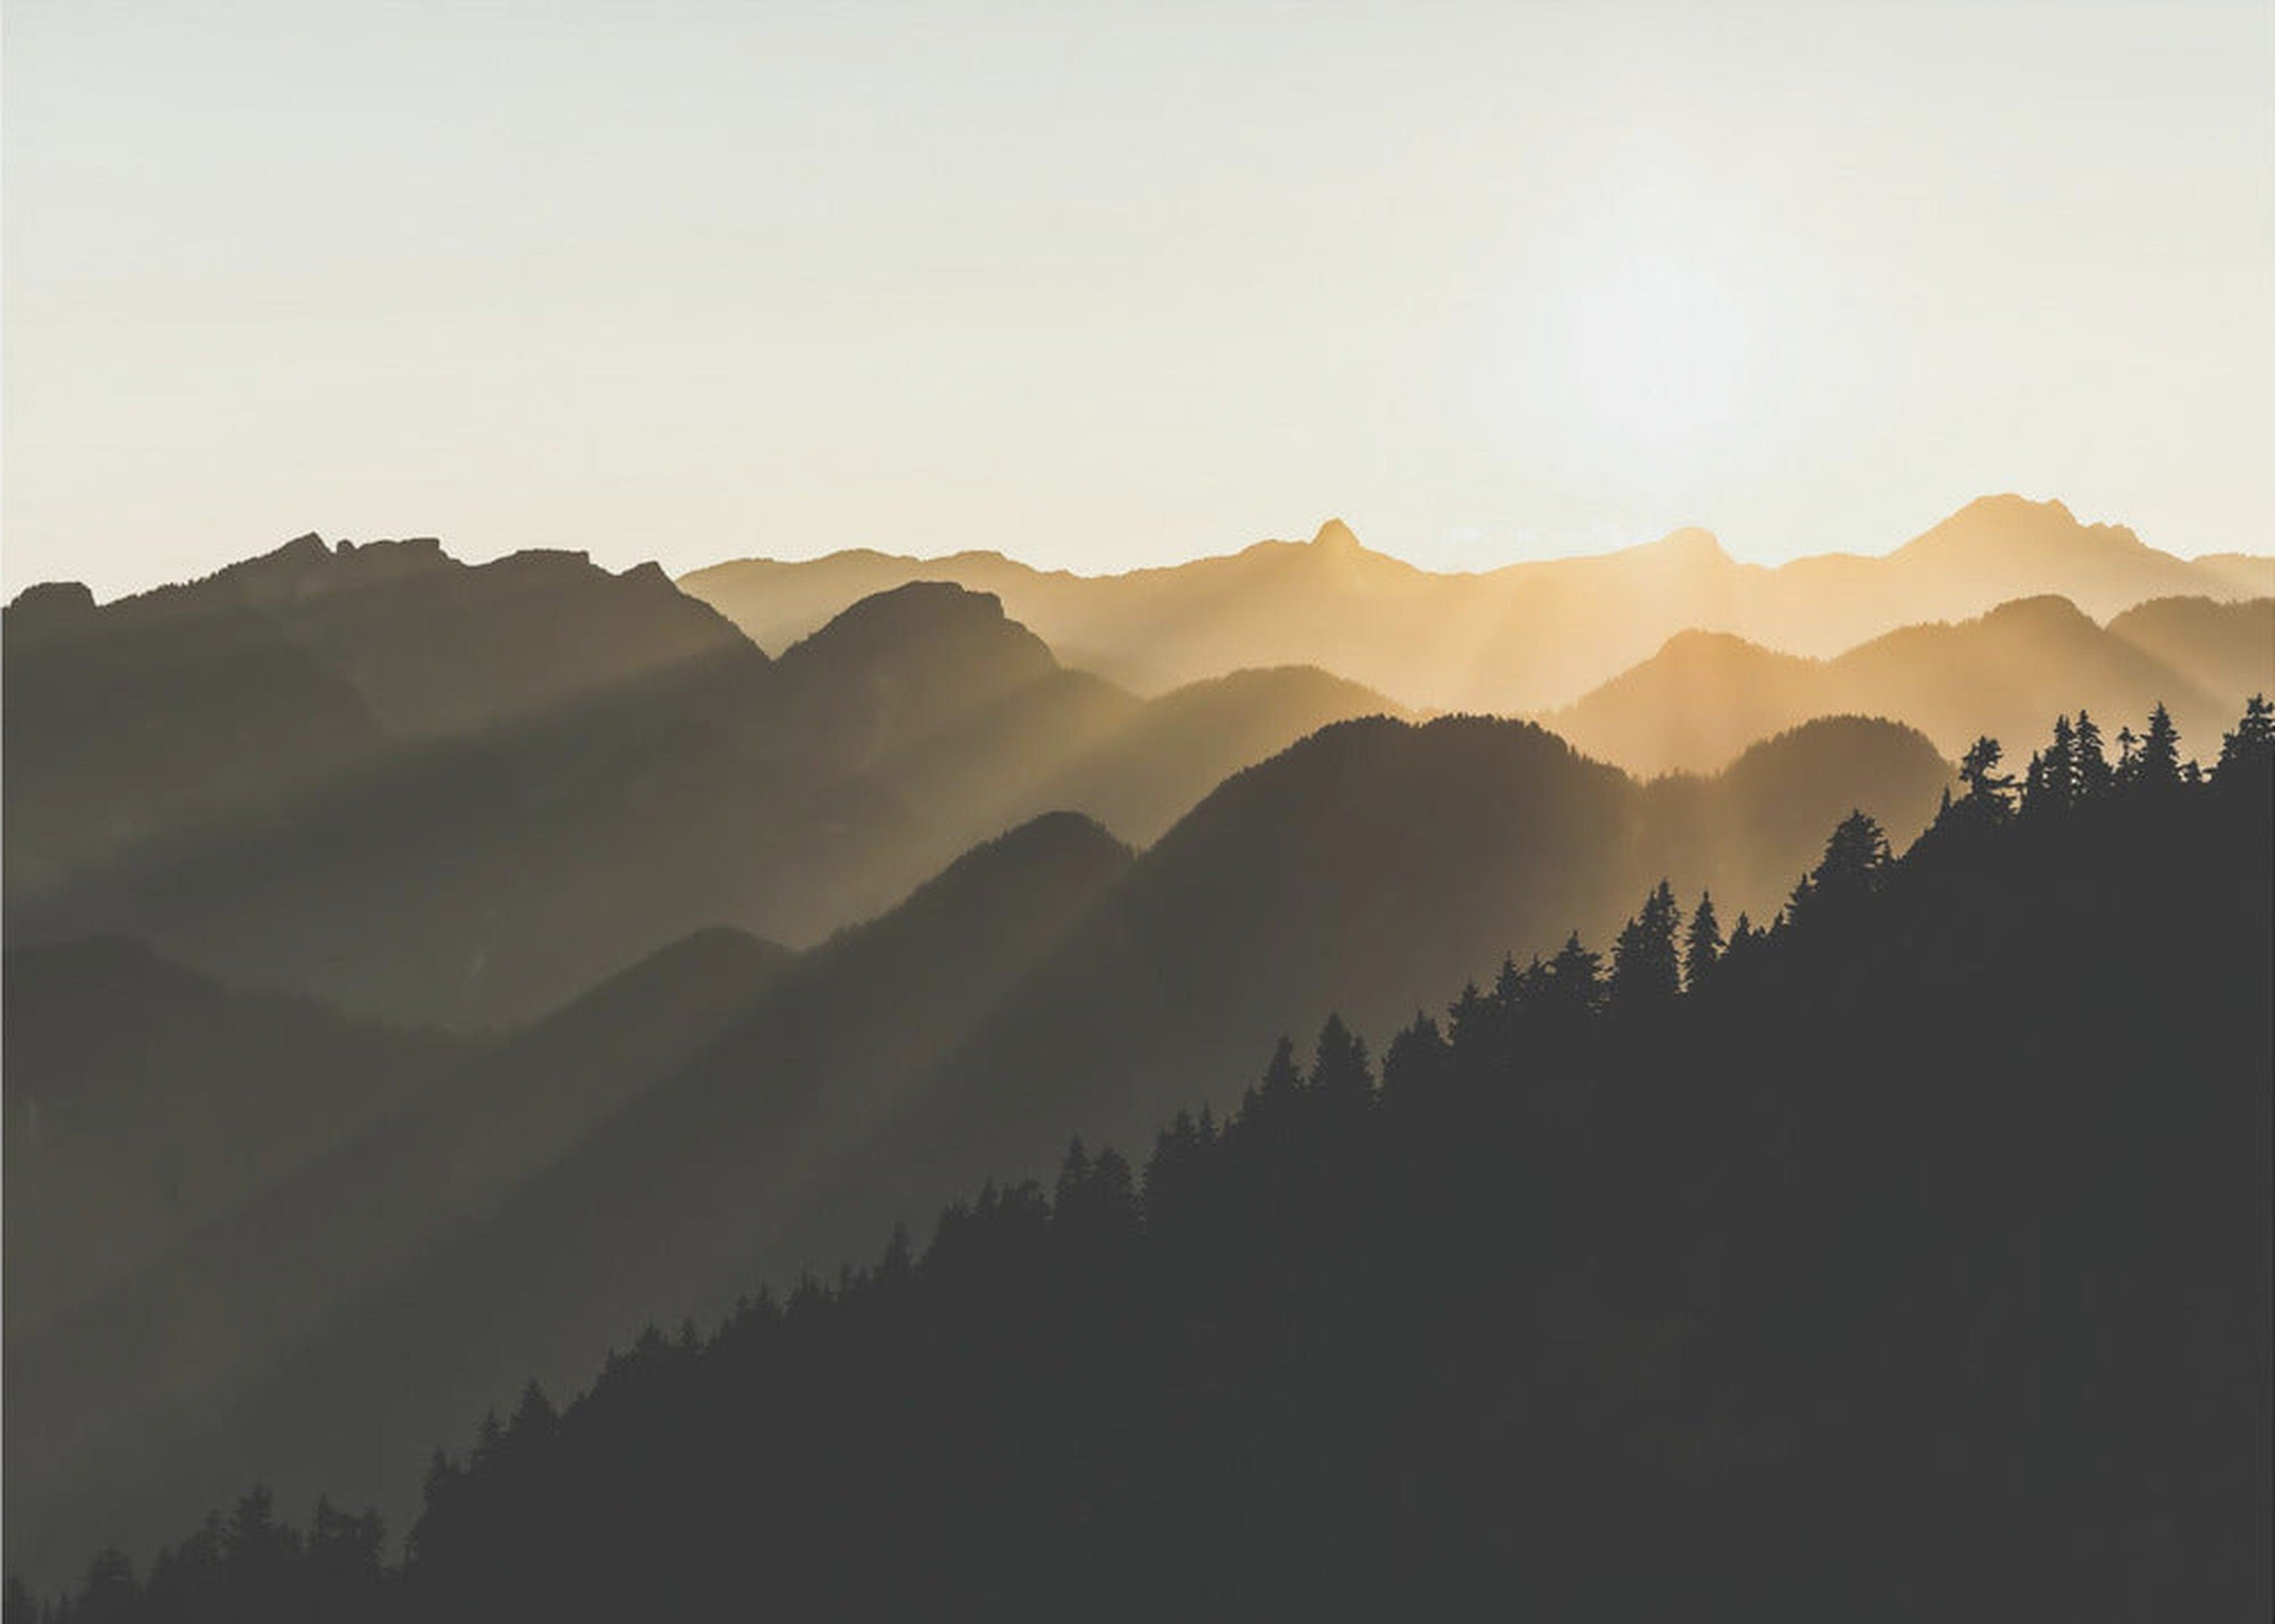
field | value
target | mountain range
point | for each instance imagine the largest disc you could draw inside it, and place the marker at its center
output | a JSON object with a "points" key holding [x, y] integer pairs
{"points": [[722, 1115], [423, 974], [1705, 696], [333, 806], [1524, 637]]}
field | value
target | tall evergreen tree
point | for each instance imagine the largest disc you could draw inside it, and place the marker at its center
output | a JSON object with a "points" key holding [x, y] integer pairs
{"points": [[2251, 746], [1987, 788], [1646, 966], [1573, 979], [2060, 782], [1855, 860], [1701, 947], [1074, 1176], [1416, 1059], [1340, 1067], [2094, 775], [2159, 763]]}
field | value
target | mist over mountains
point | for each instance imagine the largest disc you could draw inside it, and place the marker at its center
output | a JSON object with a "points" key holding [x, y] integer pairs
{"points": [[1524, 637], [647, 771], [423, 976], [1706, 695]]}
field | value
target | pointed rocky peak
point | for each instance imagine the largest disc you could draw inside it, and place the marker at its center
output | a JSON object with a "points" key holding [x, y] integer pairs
{"points": [[1335, 539], [1688, 546]]}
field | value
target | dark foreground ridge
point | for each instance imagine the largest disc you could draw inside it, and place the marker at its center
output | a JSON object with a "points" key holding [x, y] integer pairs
{"points": [[1909, 1257]]}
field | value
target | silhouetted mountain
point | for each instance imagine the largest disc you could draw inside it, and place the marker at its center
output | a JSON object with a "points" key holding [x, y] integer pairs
{"points": [[542, 717], [144, 1101], [549, 1249], [1518, 638], [437, 646], [532, 817], [1909, 1260], [2225, 649], [1705, 696], [1043, 982], [152, 717], [277, 1267], [1175, 748]]}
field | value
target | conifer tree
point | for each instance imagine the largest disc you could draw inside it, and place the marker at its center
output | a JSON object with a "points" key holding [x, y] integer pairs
{"points": [[2159, 765], [1574, 978], [1416, 1059], [1987, 788], [2059, 783], [1341, 1074], [1282, 1082], [2251, 746], [1074, 1174], [1855, 860], [2093, 773], [1465, 1017], [1702, 946], [2036, 797], [1647, 968]]}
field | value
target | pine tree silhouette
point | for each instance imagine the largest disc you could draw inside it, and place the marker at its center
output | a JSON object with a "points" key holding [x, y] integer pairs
{"points": [[1702, 946]]}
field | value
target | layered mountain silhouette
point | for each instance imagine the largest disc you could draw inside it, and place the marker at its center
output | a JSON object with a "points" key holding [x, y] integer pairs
{"points": [[274, 1263], [460, 794], [1705, 696], [1913, 1250], [144, 1101], [1048, 980], [1524, 637], [511, 849]]}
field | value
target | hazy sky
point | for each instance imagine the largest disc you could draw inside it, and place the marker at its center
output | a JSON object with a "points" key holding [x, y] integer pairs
{"points": [[1105, 284]]}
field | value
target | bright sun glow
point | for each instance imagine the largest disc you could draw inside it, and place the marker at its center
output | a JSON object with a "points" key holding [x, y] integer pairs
{"points": [[1658, 351]]}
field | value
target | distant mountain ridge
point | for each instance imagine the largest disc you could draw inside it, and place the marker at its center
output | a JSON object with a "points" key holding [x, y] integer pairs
{"points": [[1522, 638], [1705, 696]]}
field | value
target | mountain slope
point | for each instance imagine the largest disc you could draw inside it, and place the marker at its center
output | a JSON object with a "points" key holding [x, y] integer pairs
{"points": [[552, 1248], [1911, 1261], [2226, 649], [536, 815], [144, 1101], [1704, 697], [231, 1296], [1045, 982]]}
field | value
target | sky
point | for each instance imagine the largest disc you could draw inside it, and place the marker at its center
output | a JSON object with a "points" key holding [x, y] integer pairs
{"points": [[1100, 285]]}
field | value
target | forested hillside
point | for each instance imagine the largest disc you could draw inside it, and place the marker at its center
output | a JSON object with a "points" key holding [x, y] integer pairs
{"points": [[1907, 1258]]}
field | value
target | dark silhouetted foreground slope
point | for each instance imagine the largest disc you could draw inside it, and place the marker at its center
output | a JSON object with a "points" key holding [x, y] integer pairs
{"points": [[1912, 1259], [1045, 983]]}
